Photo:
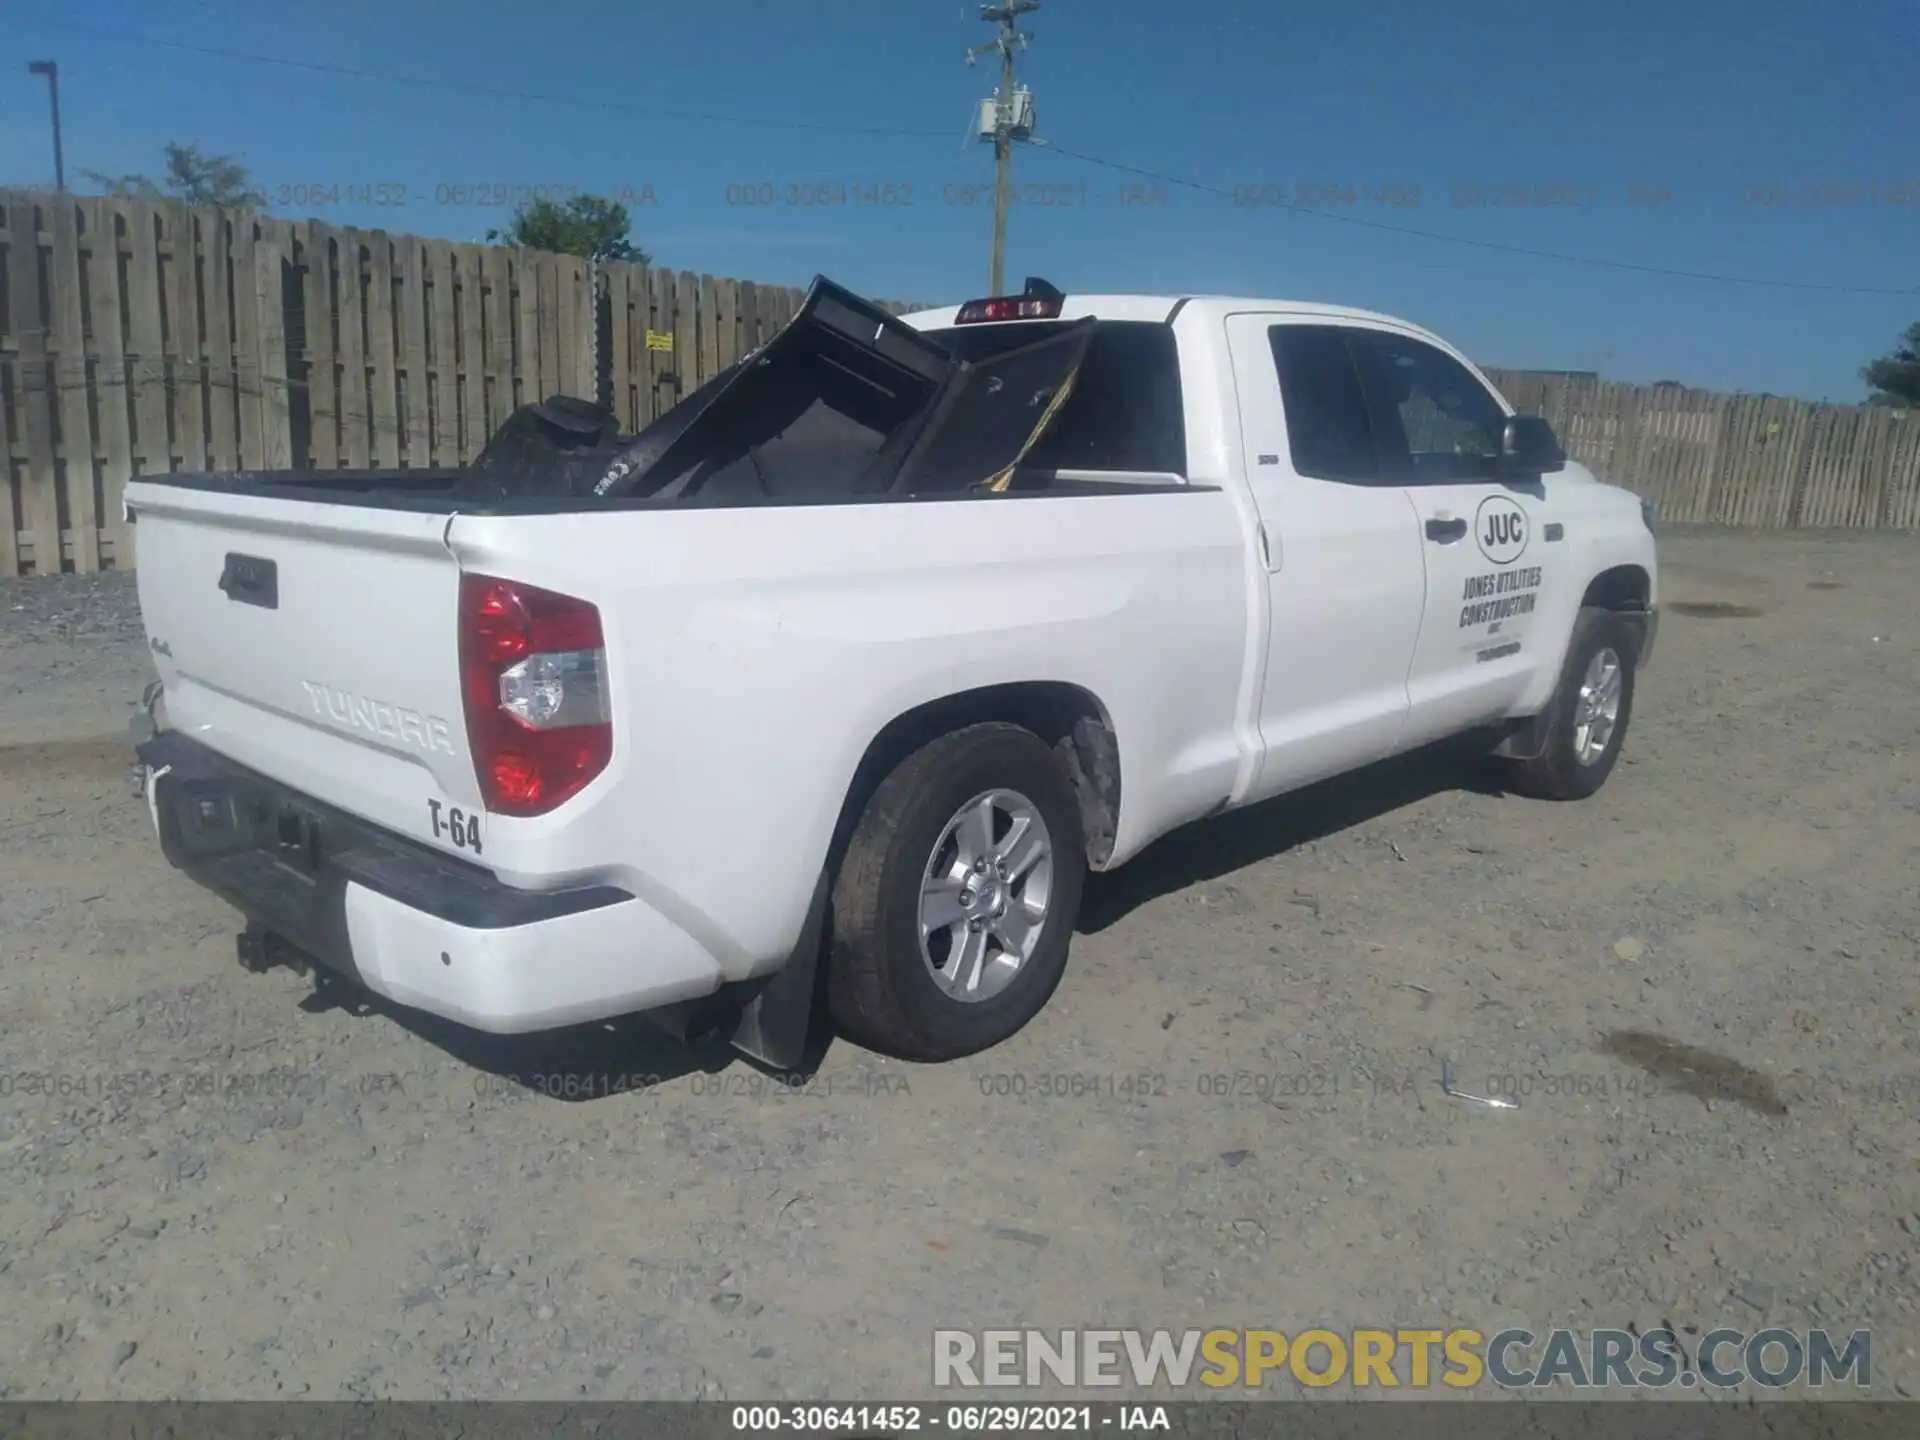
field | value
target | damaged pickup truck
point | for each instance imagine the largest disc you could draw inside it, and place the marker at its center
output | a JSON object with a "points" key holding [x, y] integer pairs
{"points": [[822, 695]]}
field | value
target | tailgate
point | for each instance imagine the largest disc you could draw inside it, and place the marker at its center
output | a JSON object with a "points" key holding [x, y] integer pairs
{"points": [[316, 643]]}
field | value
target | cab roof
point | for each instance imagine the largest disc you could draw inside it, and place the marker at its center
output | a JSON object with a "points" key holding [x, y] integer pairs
{"points": [[1161, 308]]}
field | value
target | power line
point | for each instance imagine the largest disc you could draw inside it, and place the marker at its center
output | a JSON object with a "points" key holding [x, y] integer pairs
{"points": [[493, 91], [1495, 245]]}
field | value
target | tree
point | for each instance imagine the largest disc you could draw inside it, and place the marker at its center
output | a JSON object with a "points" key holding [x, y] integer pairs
{"points": [[192, 176], [1895, 378], [585, 225]]}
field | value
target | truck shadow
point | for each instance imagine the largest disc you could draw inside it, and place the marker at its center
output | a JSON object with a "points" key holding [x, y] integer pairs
{"points": [[631, 1056], [628, 1056], [1209, 849]]}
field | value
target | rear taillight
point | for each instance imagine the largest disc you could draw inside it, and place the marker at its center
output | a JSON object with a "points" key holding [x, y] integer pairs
{"points": [[533, 669]]}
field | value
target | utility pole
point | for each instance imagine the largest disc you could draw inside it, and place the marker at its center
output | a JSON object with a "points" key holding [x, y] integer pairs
{"points": [[1011, 116], [52, 72]]}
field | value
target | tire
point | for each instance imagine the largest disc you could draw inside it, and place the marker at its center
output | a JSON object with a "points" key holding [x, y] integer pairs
{"points": [[892, 990], [1568, 766]]}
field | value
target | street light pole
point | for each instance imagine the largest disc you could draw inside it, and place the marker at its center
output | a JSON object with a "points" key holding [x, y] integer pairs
{"points": [[52, 72]]}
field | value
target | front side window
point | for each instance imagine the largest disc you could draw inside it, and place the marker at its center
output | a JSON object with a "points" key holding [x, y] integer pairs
{"points": [[1433, 422]]}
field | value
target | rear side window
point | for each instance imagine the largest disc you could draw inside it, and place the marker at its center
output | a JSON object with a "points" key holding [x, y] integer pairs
{"points": [[1328, 429], [992, 411], [1126, 411]]}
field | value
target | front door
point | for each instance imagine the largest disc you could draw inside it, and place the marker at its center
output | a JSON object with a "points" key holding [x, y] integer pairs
{"points": [[1342, 551], [1438, 429]]}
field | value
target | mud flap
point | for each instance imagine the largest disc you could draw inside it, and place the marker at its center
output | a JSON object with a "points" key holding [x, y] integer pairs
{"points": [[1647, 627], [775, 1027], [1091, 759], [1526, 741], [769, 1020]]}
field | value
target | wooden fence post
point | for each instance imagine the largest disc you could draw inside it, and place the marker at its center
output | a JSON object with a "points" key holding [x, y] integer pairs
{"points": [[272, 259], [34, 388]]}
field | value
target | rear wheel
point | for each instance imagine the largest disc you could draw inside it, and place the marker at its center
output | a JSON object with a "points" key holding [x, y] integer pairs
{"points": [[957, 898], [1586, 721]]}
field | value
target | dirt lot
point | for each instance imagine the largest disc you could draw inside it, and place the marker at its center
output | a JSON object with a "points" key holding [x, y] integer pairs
{"points": [[1242, 1124]]}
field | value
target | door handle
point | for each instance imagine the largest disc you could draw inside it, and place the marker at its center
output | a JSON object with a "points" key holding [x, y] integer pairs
{"points": [[1445, 532]]}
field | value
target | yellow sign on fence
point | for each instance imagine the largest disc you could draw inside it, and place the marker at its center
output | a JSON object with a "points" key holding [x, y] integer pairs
{"points": [[657, 341]]}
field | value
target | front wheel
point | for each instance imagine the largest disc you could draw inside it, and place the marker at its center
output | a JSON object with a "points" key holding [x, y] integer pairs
{"points": [[958, 895], [1586, 720]]}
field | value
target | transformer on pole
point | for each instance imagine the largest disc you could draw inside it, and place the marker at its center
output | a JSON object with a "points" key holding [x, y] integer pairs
{"points": [[1005, 117]]}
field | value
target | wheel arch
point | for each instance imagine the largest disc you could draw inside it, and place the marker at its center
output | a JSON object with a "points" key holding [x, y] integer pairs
{"points": [[1625, 590], [773, 1020], [1619, 587], [1069, 718]]}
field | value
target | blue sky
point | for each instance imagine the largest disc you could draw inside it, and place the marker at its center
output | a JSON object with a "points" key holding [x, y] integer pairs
{"points": [[1666, 125]]}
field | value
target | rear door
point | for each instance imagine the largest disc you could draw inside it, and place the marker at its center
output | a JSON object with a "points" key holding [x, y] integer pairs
{"points": [[316, 643], [1438, 431], [1341, 549]]}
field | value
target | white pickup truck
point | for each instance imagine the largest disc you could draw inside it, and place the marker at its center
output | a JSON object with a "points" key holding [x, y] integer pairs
{"points": [[823, 694]]}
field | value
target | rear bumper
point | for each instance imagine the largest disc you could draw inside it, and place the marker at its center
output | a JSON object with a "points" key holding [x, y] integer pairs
{"points": [[411, 924]]}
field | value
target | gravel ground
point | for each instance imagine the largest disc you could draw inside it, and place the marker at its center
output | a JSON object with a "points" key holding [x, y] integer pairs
{"points": [[213, 1185]]}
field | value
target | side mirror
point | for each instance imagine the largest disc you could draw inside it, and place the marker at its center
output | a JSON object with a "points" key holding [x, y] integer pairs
{"points": [[1528, 446]]}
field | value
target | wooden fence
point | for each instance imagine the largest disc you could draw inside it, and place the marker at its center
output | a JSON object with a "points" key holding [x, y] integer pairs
{"points": [[140, 336], [1751, 460]]}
